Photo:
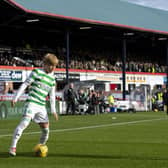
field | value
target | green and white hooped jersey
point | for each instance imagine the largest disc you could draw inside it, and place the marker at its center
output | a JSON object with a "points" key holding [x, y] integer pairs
{"points": [[41, 84]]}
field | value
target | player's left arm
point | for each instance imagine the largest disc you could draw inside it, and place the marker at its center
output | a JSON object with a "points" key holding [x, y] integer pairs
{"points": [[52, 102]]}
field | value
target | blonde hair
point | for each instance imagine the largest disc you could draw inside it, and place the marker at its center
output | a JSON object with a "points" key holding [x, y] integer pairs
{"points": [[51, 59]]}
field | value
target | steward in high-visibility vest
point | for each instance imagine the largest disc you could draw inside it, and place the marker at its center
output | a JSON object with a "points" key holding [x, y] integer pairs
{"points": [[153, 100], [110, 99], [160, 96]]}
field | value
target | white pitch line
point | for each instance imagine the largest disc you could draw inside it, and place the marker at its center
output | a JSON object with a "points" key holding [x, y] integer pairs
{"points": [[90, 127]]}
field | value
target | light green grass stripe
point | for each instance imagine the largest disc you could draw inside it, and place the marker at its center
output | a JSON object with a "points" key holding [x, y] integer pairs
{"points": [[92, 127]]}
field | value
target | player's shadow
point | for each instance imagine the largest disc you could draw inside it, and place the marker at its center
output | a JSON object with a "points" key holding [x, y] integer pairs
{"points": [[19, 154], [4, 155], [85, 156], [98, 156]]}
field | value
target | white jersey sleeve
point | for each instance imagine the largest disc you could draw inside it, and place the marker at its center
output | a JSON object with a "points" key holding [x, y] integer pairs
{"points": [[52, 99], [24, 85]]}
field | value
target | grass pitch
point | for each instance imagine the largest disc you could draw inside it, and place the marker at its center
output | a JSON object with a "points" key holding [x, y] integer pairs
{"points": [[118, 140]]}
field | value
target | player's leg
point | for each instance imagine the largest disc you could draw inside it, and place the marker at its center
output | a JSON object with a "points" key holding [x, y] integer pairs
{"points": [[41, 117], [27, 116], [17, 134], [44, 132]]}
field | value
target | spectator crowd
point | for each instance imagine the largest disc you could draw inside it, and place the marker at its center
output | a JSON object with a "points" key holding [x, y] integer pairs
{"points": [[84, 59], [86, 101]]}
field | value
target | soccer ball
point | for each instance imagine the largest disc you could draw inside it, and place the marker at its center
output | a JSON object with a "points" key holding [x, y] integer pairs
{"points": [[41, 150]]}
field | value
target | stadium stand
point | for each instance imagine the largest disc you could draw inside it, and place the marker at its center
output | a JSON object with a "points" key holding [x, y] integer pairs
{"points": [[80, 59]]}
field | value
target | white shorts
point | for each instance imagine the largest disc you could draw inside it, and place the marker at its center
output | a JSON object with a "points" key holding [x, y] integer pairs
{"points": [[36, 112]]}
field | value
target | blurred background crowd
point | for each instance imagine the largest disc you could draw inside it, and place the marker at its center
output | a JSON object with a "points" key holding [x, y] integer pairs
{"points": [[80, 58]]}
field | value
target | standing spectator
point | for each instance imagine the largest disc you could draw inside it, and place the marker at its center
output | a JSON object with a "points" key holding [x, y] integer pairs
{"points": [[93, 103], [82, 99], [110, 99], [71, 99], [102, 105], [165, 100], [6, 87], [142, 99], [10, 87]]}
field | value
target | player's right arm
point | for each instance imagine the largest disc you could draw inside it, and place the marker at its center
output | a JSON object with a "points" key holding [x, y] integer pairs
{"points": [[24, 85], [19, 93]]}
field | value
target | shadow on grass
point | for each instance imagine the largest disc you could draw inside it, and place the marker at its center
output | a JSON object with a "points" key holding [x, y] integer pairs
{"points": [[92, 156], [19, 154], [84, 156]]}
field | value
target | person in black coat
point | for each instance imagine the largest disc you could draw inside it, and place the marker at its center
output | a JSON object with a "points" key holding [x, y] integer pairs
{"points": [[71, 99]]}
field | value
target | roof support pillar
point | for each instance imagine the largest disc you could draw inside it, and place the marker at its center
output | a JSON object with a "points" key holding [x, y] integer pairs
{"points": [[124, 54], [167, 63], [67, 55], [167, 68]]}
